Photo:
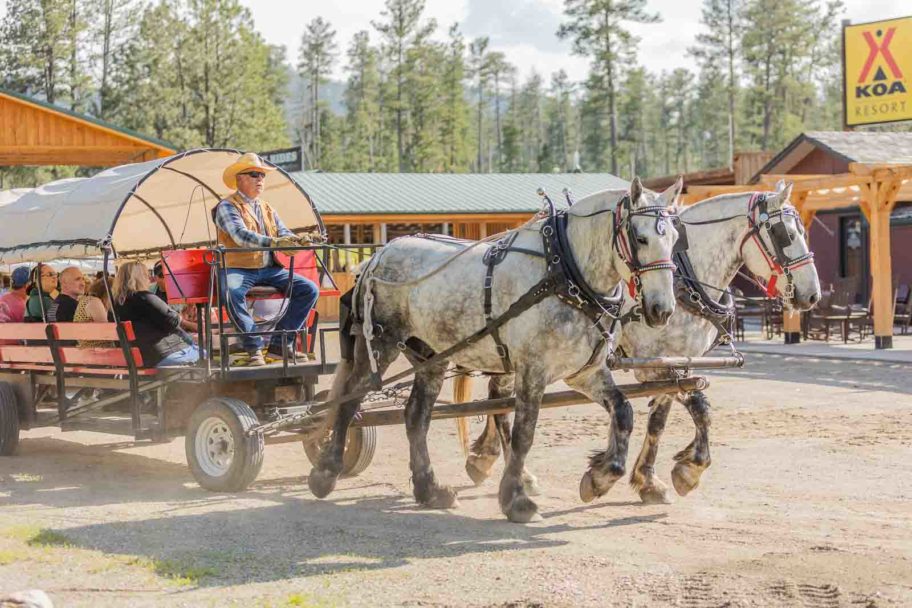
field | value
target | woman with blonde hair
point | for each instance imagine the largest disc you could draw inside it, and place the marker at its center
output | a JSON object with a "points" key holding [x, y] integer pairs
{"points": [[156, 325]]}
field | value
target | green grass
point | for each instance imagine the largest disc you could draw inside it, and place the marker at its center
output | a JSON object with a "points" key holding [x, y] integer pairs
{"points": [[8, 557], [35, 536], [177, 572]]}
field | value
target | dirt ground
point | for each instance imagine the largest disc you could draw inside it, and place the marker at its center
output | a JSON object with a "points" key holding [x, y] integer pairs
{"points": [[807, 503]]}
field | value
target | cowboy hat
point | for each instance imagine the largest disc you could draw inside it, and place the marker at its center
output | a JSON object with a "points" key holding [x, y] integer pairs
{"points": [[246, 162]]}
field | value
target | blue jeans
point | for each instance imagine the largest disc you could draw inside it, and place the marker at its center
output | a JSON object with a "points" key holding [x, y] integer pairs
{"points": [[189, 354], [239, 281]]}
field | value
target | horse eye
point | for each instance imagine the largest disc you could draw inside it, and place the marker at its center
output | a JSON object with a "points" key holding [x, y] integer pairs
{"points": [[642, 240]]}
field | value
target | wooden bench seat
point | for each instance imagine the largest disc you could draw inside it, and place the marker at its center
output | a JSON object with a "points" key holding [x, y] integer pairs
{"points": [[50, 347]]}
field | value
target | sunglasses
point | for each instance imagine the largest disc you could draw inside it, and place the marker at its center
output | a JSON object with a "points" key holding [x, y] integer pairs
{"points": [[48, 275], [255, 174]]}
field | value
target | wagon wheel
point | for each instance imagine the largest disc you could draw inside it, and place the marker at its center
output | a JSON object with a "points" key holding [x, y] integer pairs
{"points": [[222, 457], [360, 445], [9, 419]]}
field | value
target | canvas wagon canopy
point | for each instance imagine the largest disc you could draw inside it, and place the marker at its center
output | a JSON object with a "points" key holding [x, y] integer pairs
{"points": [[139, 209]]}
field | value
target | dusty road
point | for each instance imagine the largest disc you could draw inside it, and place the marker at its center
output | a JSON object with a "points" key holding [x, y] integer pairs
{"points": [[808, 503]]}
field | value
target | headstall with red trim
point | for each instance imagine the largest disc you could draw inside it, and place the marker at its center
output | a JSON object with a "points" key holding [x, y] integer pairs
{"points": [[625, 243], [780, 264]]}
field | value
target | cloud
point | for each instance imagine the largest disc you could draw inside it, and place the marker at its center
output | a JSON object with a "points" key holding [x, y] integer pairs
{"points": [[516, 22]]}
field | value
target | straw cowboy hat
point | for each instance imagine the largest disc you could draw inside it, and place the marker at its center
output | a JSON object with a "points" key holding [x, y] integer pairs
{"points": [[246, 162]]}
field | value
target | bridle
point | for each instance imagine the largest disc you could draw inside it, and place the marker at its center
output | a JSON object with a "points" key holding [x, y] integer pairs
{"points": [[625, 243], [780, 264]]}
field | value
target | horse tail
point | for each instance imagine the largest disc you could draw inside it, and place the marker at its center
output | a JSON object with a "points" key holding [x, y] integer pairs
{"points": [[462, 392]]}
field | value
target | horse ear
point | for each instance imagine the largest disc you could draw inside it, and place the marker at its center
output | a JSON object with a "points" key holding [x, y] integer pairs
{"points": [[672, 195], [636, 191], [783, 192]]}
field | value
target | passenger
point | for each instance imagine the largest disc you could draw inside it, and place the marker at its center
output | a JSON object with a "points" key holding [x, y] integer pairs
{"points": [[159, 288], [42, 294], [72, 286], [12, 303], [94, 307], [157, 326], [5, 286], [243, 220]]}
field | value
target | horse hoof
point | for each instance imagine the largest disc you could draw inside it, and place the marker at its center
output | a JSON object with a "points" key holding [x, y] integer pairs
{"points": [[523, 511], [685, 477], [654, 495], [443, 497], [476, 473], [321, 482], [530, 485], [587, 488]]}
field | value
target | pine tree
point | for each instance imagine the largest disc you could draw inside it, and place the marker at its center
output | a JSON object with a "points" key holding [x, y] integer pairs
{"points": [[401, 30], [113, 27], [598, 32], [315, 61], [362, 101], [455, 116], [39, 50], [478, 61], [719, 45]]}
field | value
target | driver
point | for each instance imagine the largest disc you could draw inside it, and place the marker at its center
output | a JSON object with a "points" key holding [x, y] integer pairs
{"points": [[244, 220]]}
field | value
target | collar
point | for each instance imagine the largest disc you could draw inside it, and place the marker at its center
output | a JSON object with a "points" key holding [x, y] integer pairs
{"points": [[247, 199]]}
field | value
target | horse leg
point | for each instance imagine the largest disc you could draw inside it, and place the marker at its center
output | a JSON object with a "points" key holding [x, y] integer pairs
{"points": [[514, 502], [643, 478], [428, 492], [486, 449], [694, 459], [607, 466], [323, 476], [502, 423]]}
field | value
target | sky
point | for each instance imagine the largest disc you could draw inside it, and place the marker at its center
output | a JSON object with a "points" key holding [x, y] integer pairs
{"points": [[522, 29]]}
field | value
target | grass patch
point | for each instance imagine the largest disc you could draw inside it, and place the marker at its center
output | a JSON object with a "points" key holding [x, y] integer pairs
{"points": [[8, 557], [178, 572], [49, 538], [34, 536], [299, 600]]}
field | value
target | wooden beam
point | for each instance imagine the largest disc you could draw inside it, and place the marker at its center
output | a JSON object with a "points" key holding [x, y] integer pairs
{"points": [[75, 155], [820, 182], [881, 267]]}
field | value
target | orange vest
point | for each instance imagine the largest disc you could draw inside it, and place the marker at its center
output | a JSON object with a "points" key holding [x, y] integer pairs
{"points": [[253, 259]]}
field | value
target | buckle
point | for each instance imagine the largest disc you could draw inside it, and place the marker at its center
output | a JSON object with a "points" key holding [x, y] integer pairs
{"points": [[501, 351], [488, 281]]}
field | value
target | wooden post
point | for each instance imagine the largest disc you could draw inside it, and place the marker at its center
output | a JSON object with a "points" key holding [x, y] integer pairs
{"points": [[881, 199], [791, 320]]}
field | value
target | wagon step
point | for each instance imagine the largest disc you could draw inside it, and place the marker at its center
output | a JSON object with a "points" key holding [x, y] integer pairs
{"points": [[677, 362]]}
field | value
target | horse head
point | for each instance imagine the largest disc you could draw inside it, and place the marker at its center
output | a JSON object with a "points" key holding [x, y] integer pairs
{"points": [[776, 250], [644, 237]]}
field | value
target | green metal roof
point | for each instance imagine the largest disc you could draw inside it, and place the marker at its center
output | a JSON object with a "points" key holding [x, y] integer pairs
{"points": [[96, 121], [445, 193]]}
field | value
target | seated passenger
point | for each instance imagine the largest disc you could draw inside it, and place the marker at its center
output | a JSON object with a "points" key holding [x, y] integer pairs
{"points": [[157, 326], [12, 303], [244, 221], [42, 293], [72, 285], [94, 307], [159, 288]]}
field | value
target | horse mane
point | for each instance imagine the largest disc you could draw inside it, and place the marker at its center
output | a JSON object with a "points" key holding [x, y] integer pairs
{"points": [[599, 200]]}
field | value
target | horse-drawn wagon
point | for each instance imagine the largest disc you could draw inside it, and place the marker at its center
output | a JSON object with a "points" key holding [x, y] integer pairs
{"points": [[538, 304]]}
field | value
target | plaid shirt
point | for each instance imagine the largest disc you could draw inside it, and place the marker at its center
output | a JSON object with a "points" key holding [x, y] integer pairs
{"points": [[229, 220]]}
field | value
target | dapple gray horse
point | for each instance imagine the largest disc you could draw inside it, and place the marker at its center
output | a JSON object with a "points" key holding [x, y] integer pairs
{"points": [[416, 297], [717, 234]]}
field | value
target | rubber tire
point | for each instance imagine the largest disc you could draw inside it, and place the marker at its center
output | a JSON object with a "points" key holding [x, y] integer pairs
{"points": [[360, 446], [248, 451], [9, 419]]}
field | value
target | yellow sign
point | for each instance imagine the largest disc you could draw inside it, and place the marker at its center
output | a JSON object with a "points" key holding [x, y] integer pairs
{"points": [[878, 72]]}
